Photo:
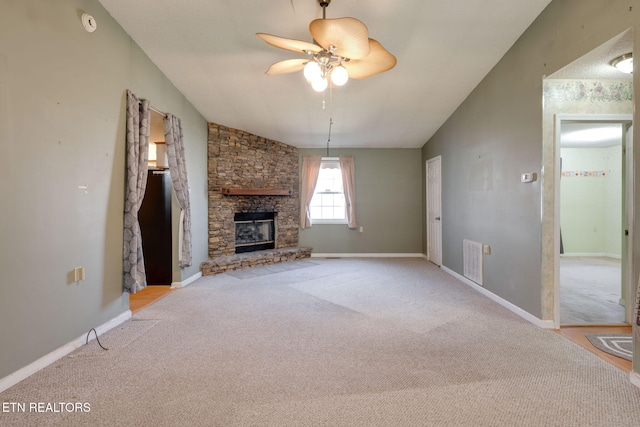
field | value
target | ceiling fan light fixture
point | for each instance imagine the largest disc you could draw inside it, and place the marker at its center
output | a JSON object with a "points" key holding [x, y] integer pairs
{"points": [[312, 71], [339, 75], [341, 50], [624, 63]]}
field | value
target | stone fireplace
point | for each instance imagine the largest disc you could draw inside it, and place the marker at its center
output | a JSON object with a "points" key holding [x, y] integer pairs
{"points": [[249, 174]]}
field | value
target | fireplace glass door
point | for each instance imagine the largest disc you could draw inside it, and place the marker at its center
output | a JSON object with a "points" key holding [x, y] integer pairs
{"points": [[254, 231]]}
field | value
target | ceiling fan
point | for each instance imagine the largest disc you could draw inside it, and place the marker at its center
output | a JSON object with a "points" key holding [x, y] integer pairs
{"points": [[342, 50]]}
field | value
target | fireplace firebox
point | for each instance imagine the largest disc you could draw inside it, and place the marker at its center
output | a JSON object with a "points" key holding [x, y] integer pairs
{"points": [[254, 231]]}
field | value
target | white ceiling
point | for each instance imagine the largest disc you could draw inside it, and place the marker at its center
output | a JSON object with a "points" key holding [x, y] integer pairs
{"points": [[209, 50], [596, 63]]}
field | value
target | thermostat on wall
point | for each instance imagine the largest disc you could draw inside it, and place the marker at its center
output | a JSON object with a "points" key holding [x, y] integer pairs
{"points": [[89, 22]]}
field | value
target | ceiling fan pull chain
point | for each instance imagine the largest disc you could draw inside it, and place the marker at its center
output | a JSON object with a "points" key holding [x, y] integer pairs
{"points": [[329, 137], [331, 102]]}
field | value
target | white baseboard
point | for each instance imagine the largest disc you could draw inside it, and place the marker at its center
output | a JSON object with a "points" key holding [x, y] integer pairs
{"points": [[583, 254], [367, 255], [590, 255], [186, 282], [23, 373], [544, 324], [634, 377]]}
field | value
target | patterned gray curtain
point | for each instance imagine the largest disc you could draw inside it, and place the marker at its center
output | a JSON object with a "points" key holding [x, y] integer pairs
{"points": [[178, 170], [138, 121]]}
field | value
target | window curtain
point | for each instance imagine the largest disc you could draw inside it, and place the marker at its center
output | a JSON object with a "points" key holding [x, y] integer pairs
{"points": [[137, 141], [177, 168], [347, 166], [309, 178]]}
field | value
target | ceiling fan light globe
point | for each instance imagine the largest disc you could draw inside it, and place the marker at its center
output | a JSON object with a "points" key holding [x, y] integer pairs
{"points": [[319, 85], [312, 71], [339, 75]]}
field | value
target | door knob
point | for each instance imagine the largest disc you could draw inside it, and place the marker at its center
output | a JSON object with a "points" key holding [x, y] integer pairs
{"points": [[437, 218]]}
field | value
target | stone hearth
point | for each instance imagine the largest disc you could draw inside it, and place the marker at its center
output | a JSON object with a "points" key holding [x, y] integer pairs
{"points": [[253, 259]]}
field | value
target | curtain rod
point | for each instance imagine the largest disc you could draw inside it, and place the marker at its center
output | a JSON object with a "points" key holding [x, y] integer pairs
{"points": [[152, 108], [157, 111]]}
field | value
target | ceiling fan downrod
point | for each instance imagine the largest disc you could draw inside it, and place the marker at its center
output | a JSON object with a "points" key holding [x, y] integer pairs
{"points": [[323, 4]]}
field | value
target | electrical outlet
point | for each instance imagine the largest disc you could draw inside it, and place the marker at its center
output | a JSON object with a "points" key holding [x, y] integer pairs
{"points": [[362, 229], [78, 273]]}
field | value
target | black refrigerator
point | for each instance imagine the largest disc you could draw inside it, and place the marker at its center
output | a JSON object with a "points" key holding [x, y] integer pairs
{"points": [[154, 217]]}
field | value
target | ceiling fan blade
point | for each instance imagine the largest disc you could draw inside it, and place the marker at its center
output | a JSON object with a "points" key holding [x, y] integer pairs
{"points": [[378, 61], [287, 66], [348, 35], [289, 44]]}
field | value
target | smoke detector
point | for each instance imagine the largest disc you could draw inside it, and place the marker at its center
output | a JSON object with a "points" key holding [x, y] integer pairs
{"points": [[89, 23]]}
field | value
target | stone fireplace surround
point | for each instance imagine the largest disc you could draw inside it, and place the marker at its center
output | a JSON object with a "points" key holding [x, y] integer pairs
{"points": [[240, 160]]}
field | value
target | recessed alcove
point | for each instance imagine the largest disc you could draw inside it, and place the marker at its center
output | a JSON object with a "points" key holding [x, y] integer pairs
{"points": [[251, 174]]}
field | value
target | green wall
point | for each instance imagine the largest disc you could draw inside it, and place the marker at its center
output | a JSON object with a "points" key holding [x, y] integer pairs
{"points": [[591, 206], [62, 128], [388, 205]]}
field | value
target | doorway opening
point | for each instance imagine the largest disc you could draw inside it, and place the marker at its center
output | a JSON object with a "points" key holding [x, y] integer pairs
{"points": [[593, 158], [155, 212], [588, 90]]}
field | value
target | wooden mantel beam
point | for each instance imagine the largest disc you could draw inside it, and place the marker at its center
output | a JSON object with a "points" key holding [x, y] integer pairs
{"points": [[255, 192]]}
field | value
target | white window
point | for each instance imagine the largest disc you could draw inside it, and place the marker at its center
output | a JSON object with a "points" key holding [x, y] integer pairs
{"points": [[328, 204]]}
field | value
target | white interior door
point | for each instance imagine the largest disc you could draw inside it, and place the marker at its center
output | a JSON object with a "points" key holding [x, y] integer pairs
{"points": [[434, 211]]}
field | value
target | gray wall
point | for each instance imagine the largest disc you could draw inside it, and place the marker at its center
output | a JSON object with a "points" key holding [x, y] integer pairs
{"points": [[496, 134], [388, 205], [62, 126]]}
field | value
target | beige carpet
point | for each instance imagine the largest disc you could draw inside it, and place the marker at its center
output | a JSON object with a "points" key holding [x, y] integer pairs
{"points": [[330, 343]]}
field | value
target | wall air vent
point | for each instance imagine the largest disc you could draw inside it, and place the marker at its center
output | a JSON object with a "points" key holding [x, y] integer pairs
{"points": [[472, 260]]}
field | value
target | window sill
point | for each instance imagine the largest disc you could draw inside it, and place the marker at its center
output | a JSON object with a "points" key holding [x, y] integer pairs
{"points": [[328, 221]]}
